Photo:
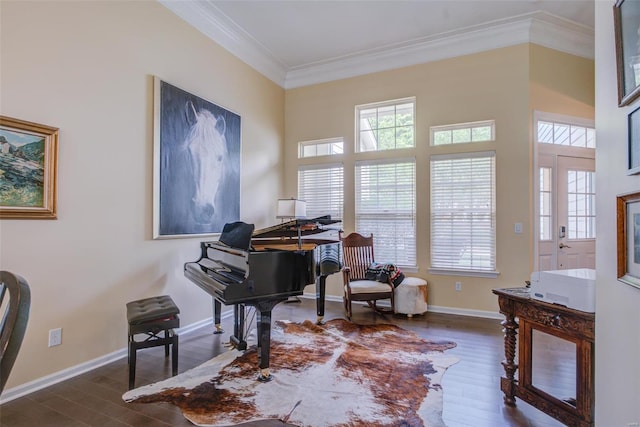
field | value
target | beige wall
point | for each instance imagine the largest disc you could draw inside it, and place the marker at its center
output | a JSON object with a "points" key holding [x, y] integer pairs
{"points": [[504, 85], [561, 83], [87, 67], [617, 313]]}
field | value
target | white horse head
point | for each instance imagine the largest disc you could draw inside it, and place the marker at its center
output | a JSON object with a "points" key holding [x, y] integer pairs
{"points": [[208, 152]]}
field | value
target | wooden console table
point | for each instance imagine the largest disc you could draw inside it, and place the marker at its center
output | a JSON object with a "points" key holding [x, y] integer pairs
{"points": [[572, 325]]}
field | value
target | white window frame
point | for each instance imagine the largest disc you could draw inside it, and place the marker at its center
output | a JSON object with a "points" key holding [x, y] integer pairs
{"points": [[406, 218], [319, 142], [491, 271], [469, 125], [562, 120], [378, 105], [327, 198], [548, 213]]}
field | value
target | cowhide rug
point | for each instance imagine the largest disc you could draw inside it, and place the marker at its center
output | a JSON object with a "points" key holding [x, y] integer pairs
{"points": [[337, 374]]}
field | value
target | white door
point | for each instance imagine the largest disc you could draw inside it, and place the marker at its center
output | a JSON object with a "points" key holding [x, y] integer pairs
{"points": [[566, 215], [576, 213]]}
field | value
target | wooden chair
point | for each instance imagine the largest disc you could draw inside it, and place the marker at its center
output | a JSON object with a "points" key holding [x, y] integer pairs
{"points": [[15, 306], [357, 255]]}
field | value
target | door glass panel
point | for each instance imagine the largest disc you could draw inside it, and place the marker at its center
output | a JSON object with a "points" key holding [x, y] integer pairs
{"points": [[581, 209], [554, 366]]}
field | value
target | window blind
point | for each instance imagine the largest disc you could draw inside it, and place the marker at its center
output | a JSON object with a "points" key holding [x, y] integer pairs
{"points": [[322, 187], [463, 211], [385, 205]]}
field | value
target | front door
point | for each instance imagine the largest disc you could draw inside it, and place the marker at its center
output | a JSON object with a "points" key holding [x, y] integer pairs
{"points": [[576, 213], [566, 215]]}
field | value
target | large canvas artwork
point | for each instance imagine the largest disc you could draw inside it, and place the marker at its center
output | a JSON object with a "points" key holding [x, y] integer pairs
{"points": [[196, 164]]}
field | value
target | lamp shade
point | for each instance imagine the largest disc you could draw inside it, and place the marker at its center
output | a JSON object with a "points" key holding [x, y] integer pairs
{"points": [[291, 208]]}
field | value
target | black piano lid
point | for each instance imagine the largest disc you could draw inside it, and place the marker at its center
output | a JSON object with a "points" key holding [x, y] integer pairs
{"points": [[296, 227], [237, 235]]}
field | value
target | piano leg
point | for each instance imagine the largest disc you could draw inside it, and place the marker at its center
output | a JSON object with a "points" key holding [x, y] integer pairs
{"points": [[263, 308], [238, 327], [217, 309], [321, 285], [264, 345]]}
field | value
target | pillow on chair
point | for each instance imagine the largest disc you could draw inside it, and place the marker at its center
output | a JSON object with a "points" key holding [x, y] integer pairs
{"points": [[386, 273]]}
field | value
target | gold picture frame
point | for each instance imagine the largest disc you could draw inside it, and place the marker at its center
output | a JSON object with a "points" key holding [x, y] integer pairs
{"points": [[28, 169], [628, 232]]}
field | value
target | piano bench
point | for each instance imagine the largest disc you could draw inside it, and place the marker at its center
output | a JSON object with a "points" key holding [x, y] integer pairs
{"points": [[151, 316]]}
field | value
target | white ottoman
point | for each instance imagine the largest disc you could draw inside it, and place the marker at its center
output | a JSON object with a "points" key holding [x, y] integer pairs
{"points": [[411, 296]]}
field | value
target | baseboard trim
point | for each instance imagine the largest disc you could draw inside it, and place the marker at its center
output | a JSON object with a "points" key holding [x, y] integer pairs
{"points": [[65, 374], [48, 380], [466, 312], [433, 308]]}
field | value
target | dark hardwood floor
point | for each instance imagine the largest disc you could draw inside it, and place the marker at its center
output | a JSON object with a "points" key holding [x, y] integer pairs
{"points": [[472, 396]]}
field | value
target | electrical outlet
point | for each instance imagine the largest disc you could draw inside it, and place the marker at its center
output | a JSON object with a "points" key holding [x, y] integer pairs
{"points": [[55, 337], [458, 286], [633, 424]]}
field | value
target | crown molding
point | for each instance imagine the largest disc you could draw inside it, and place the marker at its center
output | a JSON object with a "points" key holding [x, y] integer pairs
{"points": [[561, 34], [209, 20], [434, 49], [538, 27]]}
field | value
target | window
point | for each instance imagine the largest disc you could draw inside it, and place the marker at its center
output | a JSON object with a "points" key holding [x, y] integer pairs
{"points": [[320, 147], [322, 188], [550, 132], [581, 210], [385, 125], [546, 196], [463, 133], [385, 203], [463, 213]]}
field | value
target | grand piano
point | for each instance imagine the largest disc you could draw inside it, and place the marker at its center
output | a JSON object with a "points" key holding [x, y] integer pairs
{"points": [[262, 268]]}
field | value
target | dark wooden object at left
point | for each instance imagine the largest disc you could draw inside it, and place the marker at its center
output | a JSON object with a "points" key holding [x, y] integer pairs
{"points": [[572, 325]]}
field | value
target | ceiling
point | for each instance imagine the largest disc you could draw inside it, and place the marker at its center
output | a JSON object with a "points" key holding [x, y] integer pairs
{"points": [[296, 43]]}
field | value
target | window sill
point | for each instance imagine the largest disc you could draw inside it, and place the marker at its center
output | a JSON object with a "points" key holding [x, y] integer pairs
{"points": [[471, 273], [408, 268]]}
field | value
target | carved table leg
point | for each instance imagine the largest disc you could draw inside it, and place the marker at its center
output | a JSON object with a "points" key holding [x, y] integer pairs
{"points": [[507, 385]]}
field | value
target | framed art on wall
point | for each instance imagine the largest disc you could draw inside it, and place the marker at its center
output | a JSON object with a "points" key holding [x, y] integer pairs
{"points": [[626, 19], [628, 233], [28, 169], [633, 130], [196, 164]]}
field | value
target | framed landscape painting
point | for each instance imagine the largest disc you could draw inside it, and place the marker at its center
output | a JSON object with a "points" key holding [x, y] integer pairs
{"points": [[196, 164], [28, 169]]}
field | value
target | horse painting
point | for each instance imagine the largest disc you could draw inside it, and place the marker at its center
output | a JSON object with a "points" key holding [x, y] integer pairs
{"points": [[198, 165], [207, 149]]}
